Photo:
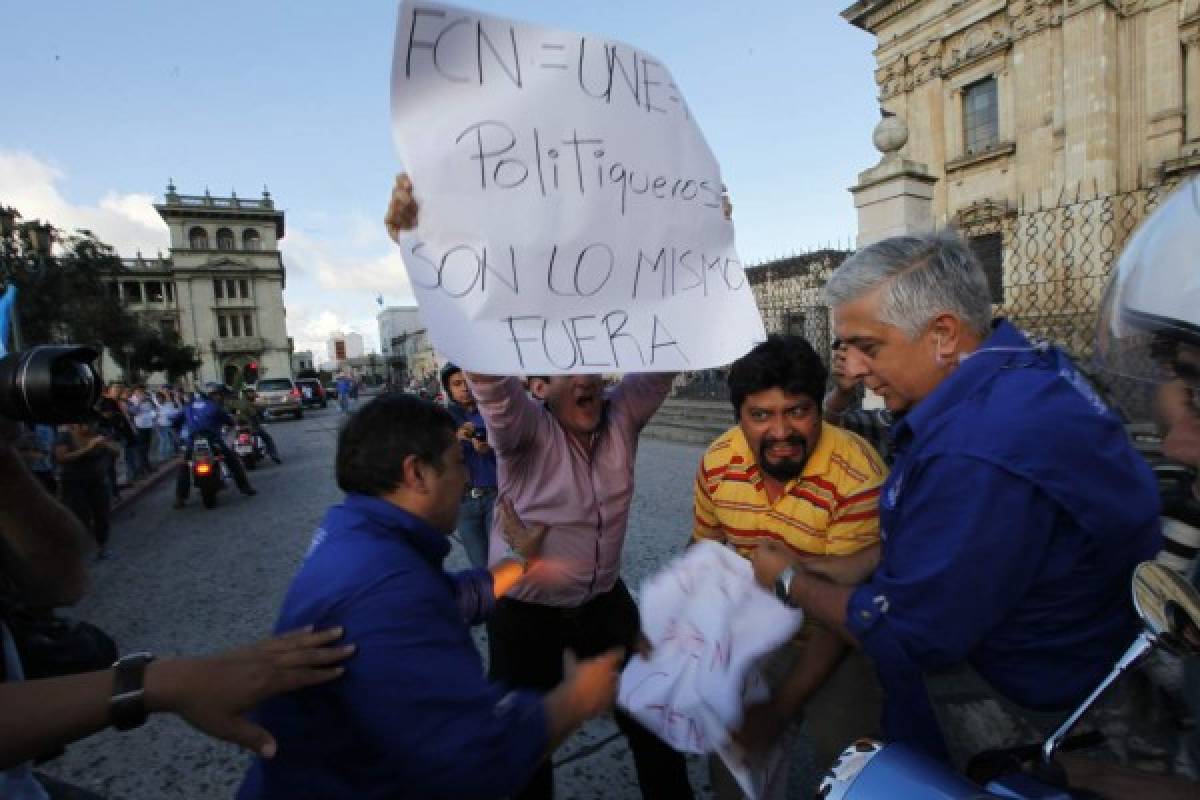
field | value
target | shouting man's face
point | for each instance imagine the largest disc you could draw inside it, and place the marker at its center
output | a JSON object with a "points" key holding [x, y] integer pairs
{"points": [[782, 430], [577, 401]]}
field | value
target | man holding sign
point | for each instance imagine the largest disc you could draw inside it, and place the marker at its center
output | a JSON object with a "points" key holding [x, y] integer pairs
{"points": [[572, 219]]}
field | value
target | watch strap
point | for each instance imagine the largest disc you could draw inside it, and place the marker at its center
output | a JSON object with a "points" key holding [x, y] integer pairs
{"points": [[127, 706], [783, 586]]}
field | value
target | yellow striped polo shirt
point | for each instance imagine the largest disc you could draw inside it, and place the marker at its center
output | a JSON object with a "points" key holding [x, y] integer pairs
{"points": [[832, 508]]}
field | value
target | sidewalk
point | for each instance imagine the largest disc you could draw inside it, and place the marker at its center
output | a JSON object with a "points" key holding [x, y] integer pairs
{"points": [[130, 492]]}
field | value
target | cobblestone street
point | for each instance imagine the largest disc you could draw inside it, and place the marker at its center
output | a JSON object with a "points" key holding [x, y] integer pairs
{"points": [[194, 581]]}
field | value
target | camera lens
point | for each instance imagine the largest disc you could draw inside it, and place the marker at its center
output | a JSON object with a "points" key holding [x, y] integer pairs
{"points": [[48, 384]]}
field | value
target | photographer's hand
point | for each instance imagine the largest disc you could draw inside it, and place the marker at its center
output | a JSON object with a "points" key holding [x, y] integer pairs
{"points": [[42, 542]]}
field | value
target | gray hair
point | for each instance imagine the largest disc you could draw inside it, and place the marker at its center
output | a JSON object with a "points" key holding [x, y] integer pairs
{"points": [[921, 276]]}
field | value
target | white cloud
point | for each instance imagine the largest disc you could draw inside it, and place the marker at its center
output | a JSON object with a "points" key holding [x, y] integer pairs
{"points": [[127, 221]]}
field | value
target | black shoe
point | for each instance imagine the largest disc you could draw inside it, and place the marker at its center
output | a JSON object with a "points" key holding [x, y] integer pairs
{"points": [[249, 492]]}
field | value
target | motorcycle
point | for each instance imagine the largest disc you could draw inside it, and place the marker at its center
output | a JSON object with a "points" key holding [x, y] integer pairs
{"points": [[249, 445], [209, 473], [1169, 608]]}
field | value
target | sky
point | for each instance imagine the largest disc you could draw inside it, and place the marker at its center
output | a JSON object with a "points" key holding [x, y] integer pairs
{"points": [[104, 102]]}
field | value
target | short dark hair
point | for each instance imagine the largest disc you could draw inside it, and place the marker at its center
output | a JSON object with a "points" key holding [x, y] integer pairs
{"points": [[781, 362], [373, 444], [448, 372]]}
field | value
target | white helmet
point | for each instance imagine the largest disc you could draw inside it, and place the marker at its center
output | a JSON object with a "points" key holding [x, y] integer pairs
{"points": [[1152, 304]]}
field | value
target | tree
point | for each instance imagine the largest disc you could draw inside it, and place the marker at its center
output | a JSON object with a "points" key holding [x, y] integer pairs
{"points": [[64, 280]]}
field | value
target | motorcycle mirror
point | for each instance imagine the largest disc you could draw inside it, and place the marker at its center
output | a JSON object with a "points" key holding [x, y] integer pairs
{"points": [[1169, 607]]}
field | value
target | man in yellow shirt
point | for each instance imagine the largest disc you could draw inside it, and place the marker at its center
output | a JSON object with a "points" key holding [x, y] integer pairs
{"points": [[782, 475]]}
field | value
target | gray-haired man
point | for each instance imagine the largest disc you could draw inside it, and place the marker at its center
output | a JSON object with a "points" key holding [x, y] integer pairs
{"points": [[1015, 511]]}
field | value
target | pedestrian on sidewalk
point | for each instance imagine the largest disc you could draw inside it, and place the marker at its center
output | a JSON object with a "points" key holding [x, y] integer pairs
{"points": [[344, 384], [86, 455], [479, 498], [117, 427], [167, 445], [144, 412]]}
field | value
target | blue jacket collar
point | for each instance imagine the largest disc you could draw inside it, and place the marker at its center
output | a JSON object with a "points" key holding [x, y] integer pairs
{"points": [[431, 544], [1005, 347]]}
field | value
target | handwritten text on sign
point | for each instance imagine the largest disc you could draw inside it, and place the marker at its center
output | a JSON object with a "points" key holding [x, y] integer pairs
{"points": [[571, 216]]}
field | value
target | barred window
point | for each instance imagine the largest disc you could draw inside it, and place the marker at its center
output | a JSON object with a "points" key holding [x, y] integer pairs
{"points": [[235, 324], [989, 249], [198, 238], [225, 239], [218, 288], [981, 116], [222, 328], [243, 287], [247, 325]]}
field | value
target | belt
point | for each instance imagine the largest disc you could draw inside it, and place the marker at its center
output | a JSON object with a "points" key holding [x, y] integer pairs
{"points": [[476, 492]]}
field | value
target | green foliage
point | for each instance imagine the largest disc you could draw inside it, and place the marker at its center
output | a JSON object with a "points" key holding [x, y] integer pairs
{"points": [[64, 297]]}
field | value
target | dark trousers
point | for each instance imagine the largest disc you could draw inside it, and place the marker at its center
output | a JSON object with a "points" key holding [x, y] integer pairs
{"points": [[91, 502], [525, 645], [183, 483], [268, 442], [144, 437]]}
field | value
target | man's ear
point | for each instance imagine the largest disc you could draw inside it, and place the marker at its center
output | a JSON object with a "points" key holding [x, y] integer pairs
{"points": [[414, 474], [947, 331]]}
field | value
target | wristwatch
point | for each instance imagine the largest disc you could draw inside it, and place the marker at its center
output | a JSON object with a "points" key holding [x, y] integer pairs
{"points": [[783, 586], [127, 706]]}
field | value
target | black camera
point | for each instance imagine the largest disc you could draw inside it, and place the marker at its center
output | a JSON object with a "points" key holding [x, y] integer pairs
{"points": [[49, 384]]}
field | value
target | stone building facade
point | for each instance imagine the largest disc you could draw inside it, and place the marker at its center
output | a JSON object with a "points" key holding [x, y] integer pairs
{"points": [[221, 288], [1012, 102], [1048, 129]]}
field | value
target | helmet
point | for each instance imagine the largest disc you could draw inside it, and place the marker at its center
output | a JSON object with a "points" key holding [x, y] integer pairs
{"points": [[1149, 322]]}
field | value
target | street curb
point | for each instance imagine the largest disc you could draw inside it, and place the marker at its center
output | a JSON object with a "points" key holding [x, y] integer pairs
{"points": [[131, 494]]}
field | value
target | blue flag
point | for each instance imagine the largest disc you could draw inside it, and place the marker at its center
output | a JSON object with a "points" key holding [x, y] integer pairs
{"points": [[7, 301]]}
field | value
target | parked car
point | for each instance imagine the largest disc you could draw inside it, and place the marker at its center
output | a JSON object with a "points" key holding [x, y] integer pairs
{"points": [[312, 393], [279, 396]]}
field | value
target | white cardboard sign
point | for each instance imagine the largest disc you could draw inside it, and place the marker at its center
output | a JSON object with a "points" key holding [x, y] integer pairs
{"points": [[570, 210]]}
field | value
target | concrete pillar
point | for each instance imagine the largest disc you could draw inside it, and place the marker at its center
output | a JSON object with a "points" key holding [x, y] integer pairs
{"points": [[895, 196], [1191, 83]]}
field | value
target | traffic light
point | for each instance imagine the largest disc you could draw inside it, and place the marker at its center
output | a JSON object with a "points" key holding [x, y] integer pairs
{"points": [[252, 372]]}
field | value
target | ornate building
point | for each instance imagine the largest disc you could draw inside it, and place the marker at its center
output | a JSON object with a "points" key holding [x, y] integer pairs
{"points": [[1048, 129], [221, 288]]}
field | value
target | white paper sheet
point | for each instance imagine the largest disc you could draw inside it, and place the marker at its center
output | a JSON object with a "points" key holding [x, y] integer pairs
{"points": [[709, 624], [570, 209]]}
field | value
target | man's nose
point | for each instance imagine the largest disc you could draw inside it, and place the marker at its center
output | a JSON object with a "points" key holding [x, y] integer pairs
{"points": [[857, 365]]}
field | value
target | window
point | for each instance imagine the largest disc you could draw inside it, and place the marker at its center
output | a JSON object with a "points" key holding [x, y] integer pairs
{"points": [[235, 324], [244, 287], [170, 289], [224, 239], [989, 249], [250, 239], [198, 238], [154, 292], [114, 290], [794, 324], [981, 116], [230, 288], [218, 288], [133, 292], [222, 328], [247, 325]]}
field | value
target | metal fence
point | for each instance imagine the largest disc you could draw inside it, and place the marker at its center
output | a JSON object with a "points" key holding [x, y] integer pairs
{"points": [[1048, 263], [1056, 259]]}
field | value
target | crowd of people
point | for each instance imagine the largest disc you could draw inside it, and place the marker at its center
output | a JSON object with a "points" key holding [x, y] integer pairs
{"points": [[962, 556]]}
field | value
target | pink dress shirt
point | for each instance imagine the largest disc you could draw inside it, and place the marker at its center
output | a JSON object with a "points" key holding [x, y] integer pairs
{"points": [[551, 479]]}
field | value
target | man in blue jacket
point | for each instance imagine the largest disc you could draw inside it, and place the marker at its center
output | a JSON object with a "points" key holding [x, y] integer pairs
{"points": [[1011, 522], [414, 715], [205, 416]]}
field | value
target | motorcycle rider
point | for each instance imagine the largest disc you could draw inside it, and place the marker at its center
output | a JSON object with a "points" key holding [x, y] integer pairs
{"points": [[245, 409], [1149, 331], [205, 415]]}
